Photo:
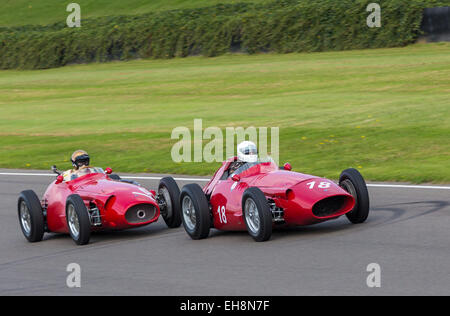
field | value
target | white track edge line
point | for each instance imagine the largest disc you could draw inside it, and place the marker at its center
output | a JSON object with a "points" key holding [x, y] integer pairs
{"points": [[406, 186]]}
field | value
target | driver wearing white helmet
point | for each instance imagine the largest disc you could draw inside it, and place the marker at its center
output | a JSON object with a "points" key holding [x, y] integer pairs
{"points": [[246, 153]]}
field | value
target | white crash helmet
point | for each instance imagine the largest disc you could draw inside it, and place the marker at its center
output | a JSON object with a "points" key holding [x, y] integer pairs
{"points": [[247, 152]]}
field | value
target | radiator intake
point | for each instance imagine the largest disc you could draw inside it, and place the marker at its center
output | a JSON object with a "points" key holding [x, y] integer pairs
{"points": [[329, 206], [140, 213]]}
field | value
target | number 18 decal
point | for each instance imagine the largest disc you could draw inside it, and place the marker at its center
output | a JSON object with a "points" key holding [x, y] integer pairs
{"points": [[322, 185], [222, 215]]}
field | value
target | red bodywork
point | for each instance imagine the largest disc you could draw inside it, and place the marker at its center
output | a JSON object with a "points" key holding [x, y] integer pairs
{"points": [[293, 193], [112, 198]]}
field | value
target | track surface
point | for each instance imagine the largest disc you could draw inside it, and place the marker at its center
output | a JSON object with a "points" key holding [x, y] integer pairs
{"points": [[407, 234]]}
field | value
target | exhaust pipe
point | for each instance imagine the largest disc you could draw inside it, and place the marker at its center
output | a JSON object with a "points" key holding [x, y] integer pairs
{"points": [[140, 214]]}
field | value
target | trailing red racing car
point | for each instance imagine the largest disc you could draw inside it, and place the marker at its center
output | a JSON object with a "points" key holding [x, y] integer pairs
{"points": [[259, 195], [95, 201]]}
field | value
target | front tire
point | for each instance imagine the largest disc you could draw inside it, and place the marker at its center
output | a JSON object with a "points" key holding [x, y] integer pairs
{"points": [[169, 191], [195, 211], [353, 182], [31, 216], [257, 214], [78, 220]]}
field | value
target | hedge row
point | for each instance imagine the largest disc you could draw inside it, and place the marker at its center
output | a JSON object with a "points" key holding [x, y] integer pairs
{"points": [[281, 26]]}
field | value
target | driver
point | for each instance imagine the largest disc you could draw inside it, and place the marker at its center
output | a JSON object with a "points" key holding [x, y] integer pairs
{"points": [[247, 153], [80, 161]]}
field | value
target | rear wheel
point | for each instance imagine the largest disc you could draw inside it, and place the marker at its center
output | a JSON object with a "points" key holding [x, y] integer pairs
{"points": [[195, 211], [31, 217], [353, 182], [78, 220], [169, 192], [257, 214]]}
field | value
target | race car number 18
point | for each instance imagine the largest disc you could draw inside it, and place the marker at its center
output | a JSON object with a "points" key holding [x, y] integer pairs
{"points": [[222, 216], [322, 185]]}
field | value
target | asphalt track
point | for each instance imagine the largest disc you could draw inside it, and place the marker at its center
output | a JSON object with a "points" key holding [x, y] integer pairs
{"points": [[407, 234]]}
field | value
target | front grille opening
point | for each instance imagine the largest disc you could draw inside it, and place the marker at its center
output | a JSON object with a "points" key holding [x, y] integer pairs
{"points": [[140, 213], [329, 206]]}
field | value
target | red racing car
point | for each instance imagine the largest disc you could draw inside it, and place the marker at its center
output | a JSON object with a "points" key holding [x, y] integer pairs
{"points": [[96, 201], [260, 196]]}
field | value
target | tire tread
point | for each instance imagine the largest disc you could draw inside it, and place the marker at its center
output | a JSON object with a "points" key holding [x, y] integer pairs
{"points": [[201, 206], [36, 214], [83, 218], [359, 215], [264, 211]]}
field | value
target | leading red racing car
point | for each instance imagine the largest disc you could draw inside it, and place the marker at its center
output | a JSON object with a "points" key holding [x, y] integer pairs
{"points": [[259, 196], [96, 201]]}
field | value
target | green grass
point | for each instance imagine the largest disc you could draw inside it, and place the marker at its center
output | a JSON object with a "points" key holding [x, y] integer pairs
{"points": [[43, 12], [384, 111]]}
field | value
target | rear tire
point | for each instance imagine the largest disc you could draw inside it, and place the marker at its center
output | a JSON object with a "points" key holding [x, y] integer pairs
{"points": [[31, 216], [257, 214], [78, 220], [195, 211], [353, 182], [168, 189]]}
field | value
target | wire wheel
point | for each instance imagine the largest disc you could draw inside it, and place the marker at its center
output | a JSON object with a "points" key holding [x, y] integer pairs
{"points": [[257, 214], [252, 216], [189, 213], [74, 223], [25, 218], [168, 208]]}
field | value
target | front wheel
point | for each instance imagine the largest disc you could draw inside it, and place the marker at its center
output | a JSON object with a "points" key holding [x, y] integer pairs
{"points": [[31, 217], [169, 193], [195, 209], [257, 214], [78, 220], [353, 182]]}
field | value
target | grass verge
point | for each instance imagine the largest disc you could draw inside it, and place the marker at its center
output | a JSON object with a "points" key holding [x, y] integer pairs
{"points": [[384, 111]]}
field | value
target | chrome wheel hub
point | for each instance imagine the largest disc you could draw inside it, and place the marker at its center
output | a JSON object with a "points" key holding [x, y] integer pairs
{"points": [[25, 218], [252, 216], [72, 220], [189, 213]]}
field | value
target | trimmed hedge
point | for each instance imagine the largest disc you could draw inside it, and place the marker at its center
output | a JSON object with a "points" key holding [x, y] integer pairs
{"points": [[281, 26]]}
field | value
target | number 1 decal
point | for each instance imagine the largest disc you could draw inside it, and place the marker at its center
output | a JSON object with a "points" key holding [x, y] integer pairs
{"points": [[311, 184], [222, 215]]}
